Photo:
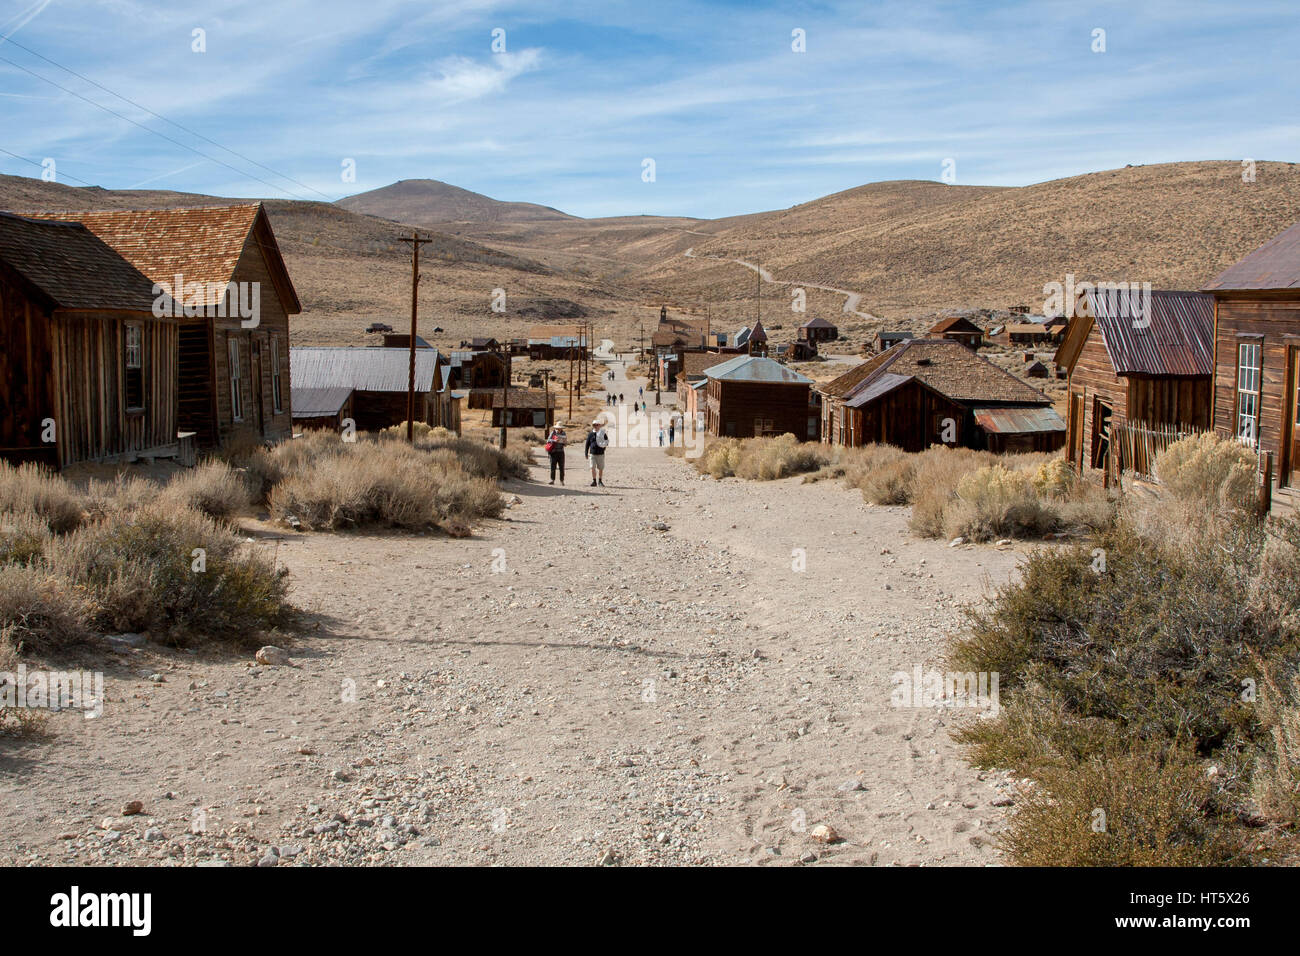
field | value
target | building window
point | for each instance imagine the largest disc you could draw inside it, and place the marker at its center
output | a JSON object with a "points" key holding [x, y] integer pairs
{"points": [[236, 391], [276, 403], [1249, 356], [133, 359]]}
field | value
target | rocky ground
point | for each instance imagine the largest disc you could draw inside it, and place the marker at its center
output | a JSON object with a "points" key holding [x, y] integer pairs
{"points": [[636, 674]]}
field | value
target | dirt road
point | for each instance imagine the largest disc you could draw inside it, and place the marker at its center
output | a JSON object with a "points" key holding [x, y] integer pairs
{"points": [[573, 685]]}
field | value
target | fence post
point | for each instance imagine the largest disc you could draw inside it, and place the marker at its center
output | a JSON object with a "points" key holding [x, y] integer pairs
{"points": [[1264, 500]]}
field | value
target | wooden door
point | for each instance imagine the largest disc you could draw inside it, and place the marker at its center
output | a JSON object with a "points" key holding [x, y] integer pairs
{"points": [[1291, 433], [1075, 414]]}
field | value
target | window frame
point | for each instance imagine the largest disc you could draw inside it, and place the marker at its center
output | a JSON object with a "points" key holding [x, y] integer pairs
{"points": [[1255, 395], [235, 377], [277, 392], [136, 330]]}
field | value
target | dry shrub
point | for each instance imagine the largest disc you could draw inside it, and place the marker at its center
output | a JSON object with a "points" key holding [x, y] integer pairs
{"points": [[389, 484], [213, 488], [478, 457], [1140, 808], [936, 474], [23, 538], [995, 502], [123, 493], [31, 489], [761, 459], [39, 610], [267, 467], [1277, 775], [1055, 478], [1204, 468], [142, 572]]}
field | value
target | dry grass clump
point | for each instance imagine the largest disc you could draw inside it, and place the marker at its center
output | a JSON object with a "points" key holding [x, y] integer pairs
{"points": [[388, 483], [213, 488], [1277, 775], [761, 459], [39, 610], [1205, 467], [123, 493], [171, 570], [995, 502], [937, 473], [31, 489], [23, 538]]}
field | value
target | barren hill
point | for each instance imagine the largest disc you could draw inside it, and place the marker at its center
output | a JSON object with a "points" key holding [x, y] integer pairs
{"points": [[427, 202]]}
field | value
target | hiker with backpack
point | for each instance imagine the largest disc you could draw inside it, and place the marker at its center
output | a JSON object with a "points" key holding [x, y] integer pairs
{"points": [[597, 442]]}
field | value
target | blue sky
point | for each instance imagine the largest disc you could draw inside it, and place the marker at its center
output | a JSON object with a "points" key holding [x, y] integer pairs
{"points": [[735, 120]]}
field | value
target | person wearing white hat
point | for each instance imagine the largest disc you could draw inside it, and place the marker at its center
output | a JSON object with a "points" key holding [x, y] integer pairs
{"points": [[597, 442]]}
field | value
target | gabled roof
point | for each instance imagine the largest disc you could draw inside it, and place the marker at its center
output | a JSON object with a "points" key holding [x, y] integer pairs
{"points": [[203, 243], [69, 267], [1176, 338], [956, 324], [895, 335], [880, 385], [817, 323], [695, 363], [943, 365], [1274, 265], [755, 368], [318, 402], [363, 369]]}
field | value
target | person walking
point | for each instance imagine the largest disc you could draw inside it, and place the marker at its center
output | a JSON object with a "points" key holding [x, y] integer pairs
{"points": [[620, 398], [555, 451], [661, 437], [597, 442], [672, 427]]}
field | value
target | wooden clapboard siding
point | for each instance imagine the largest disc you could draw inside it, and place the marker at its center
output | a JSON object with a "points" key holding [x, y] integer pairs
{"points": [[733, 407], [1273, 321], [26, 374], [89, 408]]}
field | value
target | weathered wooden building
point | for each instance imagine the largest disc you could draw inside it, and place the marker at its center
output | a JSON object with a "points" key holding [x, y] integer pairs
{"points": [[817, 330], [526, 408], [378, 379], [88, 372], [924, 392], [959, 330], [1257, 358], [887, 340], [217, 263], [1133, 368], [557, 342], [750, 396]]}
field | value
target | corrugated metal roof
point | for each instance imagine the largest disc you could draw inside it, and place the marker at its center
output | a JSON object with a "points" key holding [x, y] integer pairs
{"points": [[1018, 421], [318, 402], [73, 267], [754, 368], [882, 385], [363, 369], [1176, 338], [1274, 265]]}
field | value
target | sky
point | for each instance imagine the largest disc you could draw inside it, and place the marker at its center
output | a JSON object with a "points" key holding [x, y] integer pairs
{"points": [[664, 108]]}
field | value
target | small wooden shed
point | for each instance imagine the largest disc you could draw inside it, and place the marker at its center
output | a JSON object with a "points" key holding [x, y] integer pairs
{"points": [[959, 330], [88, 372], [750, 396]]}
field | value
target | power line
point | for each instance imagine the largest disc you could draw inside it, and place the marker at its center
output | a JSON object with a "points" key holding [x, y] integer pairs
{"points": [[147, 129], [127, 99], [42, 165]]}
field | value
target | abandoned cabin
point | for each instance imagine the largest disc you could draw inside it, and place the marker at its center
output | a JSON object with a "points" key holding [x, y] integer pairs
{"points": [[959, 330], [887, 340], [1257, 358], [233, 367], [528, 408], [751, 396], [378, 379], [817, 330], [1130, 373], [925, 392], [327, 409], [87, 371], [557, 342]]}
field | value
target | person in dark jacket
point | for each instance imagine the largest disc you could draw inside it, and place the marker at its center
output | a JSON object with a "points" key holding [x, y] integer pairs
{"points": [[597, 442], [555, 450]]}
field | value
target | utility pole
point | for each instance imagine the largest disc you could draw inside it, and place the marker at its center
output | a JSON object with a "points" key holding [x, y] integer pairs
{"points": [[415, 242], [505, 392], [642, 352], [570, 383]]}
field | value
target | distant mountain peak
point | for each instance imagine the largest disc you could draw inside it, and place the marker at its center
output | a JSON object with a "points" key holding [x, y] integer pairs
{"points": [[423, 202]]}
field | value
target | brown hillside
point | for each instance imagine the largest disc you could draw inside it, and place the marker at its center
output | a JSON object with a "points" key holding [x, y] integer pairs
{"points": [[428, 202]]}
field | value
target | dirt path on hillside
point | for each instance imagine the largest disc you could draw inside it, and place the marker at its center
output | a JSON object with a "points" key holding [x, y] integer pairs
{"points": [[851, 299], [572, 685]]}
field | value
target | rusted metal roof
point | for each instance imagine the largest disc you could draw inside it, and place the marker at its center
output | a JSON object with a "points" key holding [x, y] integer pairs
{"points": [[1018, 421], [1274, 265], [73, 268], [363, 369], [1175, 338]]}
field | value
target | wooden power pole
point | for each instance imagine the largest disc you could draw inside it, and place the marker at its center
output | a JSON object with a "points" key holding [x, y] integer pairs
{"points": [[415, 242]]}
